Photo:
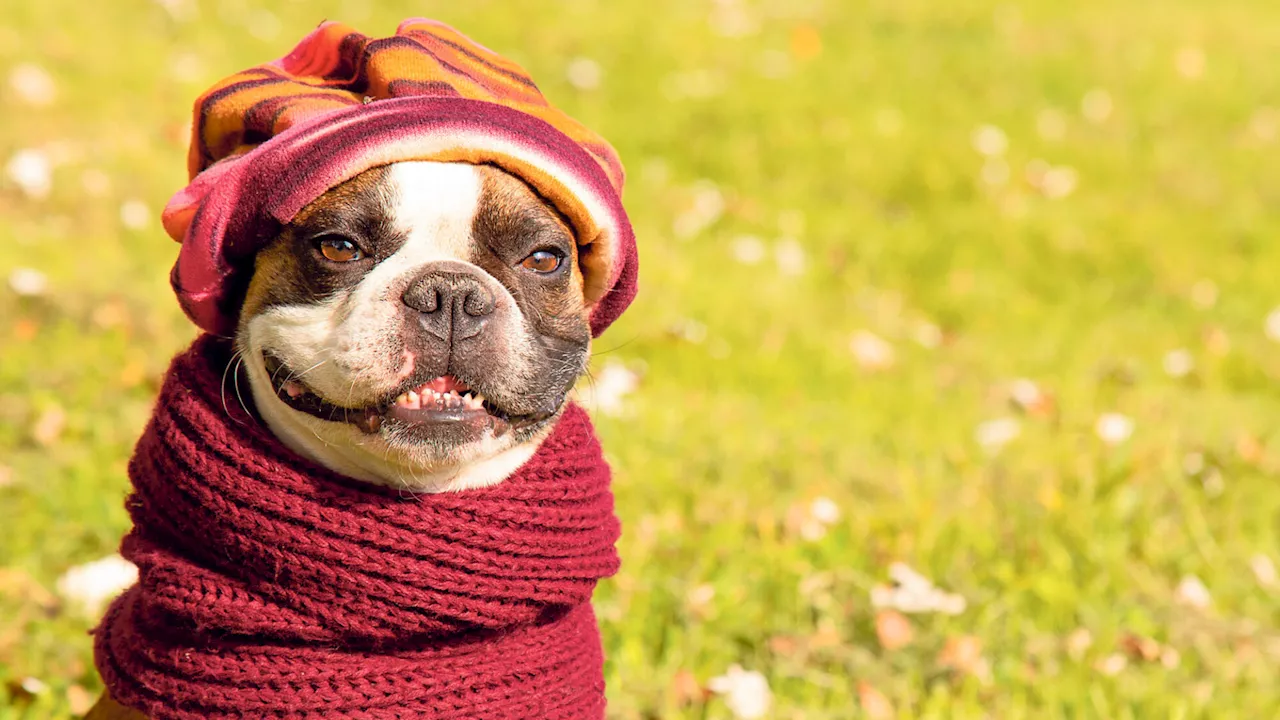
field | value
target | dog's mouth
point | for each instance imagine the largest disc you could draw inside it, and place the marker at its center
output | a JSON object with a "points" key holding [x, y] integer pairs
{"points": [[443, 400]]}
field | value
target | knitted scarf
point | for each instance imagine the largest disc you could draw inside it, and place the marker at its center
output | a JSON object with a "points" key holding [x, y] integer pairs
{"points": [[270, 587]]}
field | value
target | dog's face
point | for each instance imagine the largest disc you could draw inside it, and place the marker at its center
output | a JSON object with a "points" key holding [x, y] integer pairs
{"points": [[419, 326]]}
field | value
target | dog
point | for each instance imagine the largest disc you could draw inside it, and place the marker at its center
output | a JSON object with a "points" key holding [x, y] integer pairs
{"points": [[419, 325]]}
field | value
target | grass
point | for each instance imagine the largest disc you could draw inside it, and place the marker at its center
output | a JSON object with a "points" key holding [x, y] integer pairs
{"points": [[848, 128]]}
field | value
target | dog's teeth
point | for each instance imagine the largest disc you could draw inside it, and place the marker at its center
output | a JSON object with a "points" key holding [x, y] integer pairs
{"points": [[293, 388]]}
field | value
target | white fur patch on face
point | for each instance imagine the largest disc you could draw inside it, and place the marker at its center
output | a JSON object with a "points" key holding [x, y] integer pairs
{"points": [[347, 347]]}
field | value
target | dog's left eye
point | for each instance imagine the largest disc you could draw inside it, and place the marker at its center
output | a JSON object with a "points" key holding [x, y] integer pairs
{"points": [[542, 262], [339, 249]]}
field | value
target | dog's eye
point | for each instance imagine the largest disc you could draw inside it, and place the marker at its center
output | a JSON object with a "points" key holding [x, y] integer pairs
{"points": [[542, 262], [339, 249]]}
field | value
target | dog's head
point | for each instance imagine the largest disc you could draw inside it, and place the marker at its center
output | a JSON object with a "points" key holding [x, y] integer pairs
{"points": [[419, 325]]}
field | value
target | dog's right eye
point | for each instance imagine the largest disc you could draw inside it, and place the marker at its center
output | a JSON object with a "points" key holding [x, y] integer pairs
{"points": [[338, 249]]}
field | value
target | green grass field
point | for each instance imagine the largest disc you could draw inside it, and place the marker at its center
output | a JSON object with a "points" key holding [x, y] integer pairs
{"points": [[860, 223]]}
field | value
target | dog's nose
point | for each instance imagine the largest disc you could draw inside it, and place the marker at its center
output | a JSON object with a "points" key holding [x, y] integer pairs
{"points": [[453, 305]]}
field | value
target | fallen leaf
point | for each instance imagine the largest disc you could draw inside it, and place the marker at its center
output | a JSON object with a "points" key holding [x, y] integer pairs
{"points": [[1249, 448], [686, 690], [1112, 665], [49, 426], [963, 653], [873, 702], [746, 692], [1078, 643], [893, 630], [1139, 647], [79, 700], [1191, 591]]}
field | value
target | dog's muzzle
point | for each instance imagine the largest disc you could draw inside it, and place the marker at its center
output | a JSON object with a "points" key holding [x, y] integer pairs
{"points": [[452, 301]]}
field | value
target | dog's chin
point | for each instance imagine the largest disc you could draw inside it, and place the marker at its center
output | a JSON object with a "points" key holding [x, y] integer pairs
{"points": [[428, 435]]}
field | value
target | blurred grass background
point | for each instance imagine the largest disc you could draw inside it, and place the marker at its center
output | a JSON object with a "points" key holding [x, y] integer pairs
{"points": [[982, 287]]}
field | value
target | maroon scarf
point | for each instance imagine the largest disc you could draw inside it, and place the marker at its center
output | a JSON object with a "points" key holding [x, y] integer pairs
{"points": [[271, 587]]}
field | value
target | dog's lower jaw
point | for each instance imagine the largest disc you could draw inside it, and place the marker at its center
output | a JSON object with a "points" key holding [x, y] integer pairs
{"points": [[344, 455]]}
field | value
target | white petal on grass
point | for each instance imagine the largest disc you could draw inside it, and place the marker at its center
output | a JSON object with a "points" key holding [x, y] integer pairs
{"points": [[824, 510], [1096, 106], [871, 351], [746, 692], [915, 593], [610, 388], [1192, 592], [748, 249], [989, 140], [92, 585], [34, 685], [1264, 570], [1113, 428], [790, 257], [1026, 394], [135, 215], [32, 171], [1112, 665], [584, 73], [33, 84], [28, 282], [1178, 363], [993, 435], [1272, 325]]}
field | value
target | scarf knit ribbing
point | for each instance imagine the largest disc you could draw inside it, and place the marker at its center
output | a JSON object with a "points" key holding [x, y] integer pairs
{"points": [[270, 587]]}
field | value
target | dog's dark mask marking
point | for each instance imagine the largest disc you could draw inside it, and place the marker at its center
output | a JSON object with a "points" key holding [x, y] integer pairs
{"points": [[526, 388]]}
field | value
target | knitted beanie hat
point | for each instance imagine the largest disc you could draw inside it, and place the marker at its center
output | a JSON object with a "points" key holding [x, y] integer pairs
{"points": [[267, 141]]}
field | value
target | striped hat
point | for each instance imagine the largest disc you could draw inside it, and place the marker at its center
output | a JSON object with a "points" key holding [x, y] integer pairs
{"points": [[267, 141]]}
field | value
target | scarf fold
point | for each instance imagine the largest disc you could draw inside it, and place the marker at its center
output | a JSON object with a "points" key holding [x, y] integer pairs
{"points": [[272, 587]]}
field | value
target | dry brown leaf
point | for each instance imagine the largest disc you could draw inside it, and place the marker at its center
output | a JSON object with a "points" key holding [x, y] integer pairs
{"points": [[1138, 647], [893, 630], [686, 689], [873, 702], [783, 645], [963, 654]]}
